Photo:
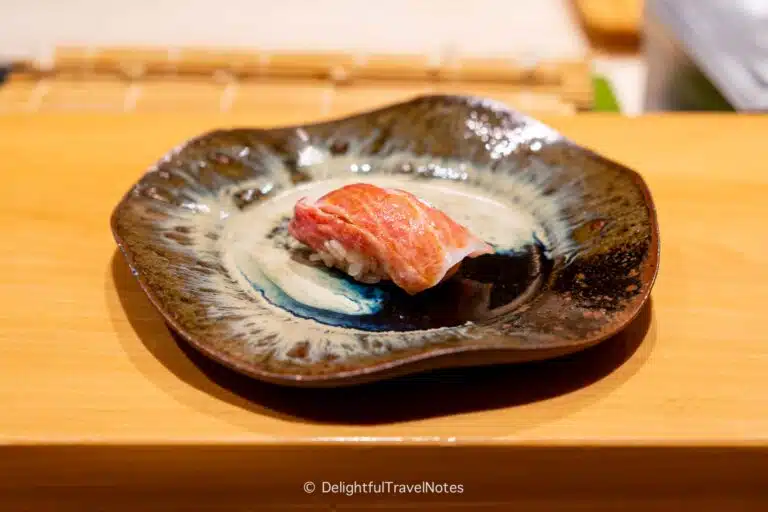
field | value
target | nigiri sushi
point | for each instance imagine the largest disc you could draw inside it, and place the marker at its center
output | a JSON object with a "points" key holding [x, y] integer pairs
{"points": [[374, 233]]}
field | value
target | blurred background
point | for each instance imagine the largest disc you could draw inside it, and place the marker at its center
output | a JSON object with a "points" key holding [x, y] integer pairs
{"points": [[325, 58]]}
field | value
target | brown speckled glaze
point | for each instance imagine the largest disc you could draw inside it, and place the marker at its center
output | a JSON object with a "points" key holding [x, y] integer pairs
{"points": [[596, 217]]}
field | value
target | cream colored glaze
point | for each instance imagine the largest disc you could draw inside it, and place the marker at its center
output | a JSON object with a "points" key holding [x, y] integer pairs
{"points": [[250, 253], [501, 207]]}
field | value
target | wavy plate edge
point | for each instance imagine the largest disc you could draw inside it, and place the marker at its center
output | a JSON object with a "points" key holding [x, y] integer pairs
{"points": [[433, 358]]}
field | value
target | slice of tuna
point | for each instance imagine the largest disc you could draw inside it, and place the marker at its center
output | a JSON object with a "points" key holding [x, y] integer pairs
{"points": [[375, 233]]}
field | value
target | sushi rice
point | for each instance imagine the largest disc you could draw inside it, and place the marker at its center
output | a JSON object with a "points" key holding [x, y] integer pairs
{"points": [[356, 265]]}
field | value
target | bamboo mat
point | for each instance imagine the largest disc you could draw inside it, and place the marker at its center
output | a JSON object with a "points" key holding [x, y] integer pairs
{"points": [[311, 85]]}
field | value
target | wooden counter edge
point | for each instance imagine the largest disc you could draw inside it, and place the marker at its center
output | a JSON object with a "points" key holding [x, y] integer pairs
{"points": [[239, 475]]}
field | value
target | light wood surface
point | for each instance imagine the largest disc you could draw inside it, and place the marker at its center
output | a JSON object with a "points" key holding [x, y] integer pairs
{"points": [[96, 394], [612, 17]]}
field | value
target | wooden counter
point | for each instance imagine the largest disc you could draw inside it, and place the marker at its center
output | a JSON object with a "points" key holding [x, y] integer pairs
{"points": [[100, 404]]}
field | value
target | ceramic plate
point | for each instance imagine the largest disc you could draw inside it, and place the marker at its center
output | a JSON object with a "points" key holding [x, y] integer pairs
{"points": [[574, 234]]}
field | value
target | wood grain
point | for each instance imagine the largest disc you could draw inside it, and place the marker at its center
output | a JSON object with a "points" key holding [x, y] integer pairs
{"points": [[97, 395]]}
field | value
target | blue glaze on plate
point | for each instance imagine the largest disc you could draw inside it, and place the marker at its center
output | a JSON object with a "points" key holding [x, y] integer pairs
{"points": [[483, 288], [370, 298]]}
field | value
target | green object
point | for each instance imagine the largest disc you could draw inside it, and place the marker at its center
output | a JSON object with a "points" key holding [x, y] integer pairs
{"points": [[605, 100], [694, 91]]}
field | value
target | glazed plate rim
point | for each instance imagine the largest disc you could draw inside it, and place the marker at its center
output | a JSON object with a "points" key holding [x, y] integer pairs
{"points": [[439, 356]]}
